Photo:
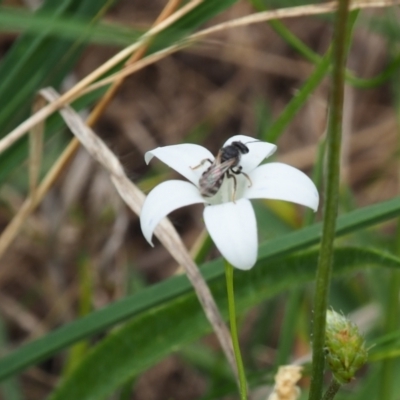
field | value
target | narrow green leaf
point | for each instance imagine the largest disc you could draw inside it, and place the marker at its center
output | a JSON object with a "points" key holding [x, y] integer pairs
{"points": [[10, 388], [189, 22], [298, 100], [35, 61], [172, 288], [151, 336], [18, 20]]}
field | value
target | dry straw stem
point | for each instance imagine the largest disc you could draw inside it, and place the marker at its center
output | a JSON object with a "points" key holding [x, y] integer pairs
{"points": [[82, 86], [291, 12], [248, 20], [13, 310], [98, 110], [38, 193], [75, 91], [169, 9], [36, 147], [165, 231]]}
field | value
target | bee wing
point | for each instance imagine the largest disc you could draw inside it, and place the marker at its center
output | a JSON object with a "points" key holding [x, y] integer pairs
{"points": [[215, 173], [227, 164]]}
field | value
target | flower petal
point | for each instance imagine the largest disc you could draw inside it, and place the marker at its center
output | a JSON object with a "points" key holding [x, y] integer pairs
{"points": [[164, 198], [258, 151], [282, 182], [183, 158], [233, 228]]}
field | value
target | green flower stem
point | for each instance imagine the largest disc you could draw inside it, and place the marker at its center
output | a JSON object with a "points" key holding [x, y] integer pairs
{"points": [[234, 332], [324, 269], [332, 390]]}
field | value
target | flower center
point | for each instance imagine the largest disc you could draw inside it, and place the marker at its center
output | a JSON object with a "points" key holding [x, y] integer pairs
{"points": [[228, 192]]}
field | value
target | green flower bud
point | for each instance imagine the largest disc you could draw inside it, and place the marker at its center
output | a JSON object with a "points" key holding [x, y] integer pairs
{"points": [[345, 347]]}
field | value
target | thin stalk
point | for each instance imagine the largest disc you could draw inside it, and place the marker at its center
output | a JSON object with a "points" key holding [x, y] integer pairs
{"points": [[234, 332], [392, 306], [324, 270], [332, 390]]}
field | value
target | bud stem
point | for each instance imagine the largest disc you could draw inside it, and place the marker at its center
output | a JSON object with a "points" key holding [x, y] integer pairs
{"points": [[332, 390]]}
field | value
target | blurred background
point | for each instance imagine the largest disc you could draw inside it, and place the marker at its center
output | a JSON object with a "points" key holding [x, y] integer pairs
{"points": [[82, 249]]}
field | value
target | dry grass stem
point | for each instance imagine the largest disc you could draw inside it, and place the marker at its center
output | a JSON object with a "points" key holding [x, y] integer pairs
{"points": [[165, 231], [289, 12], [244, 21], [81, 87], [131, 68], [31, 203], [169, 9], [23, 318], [36, 147], [76, 91], [12, 229]]}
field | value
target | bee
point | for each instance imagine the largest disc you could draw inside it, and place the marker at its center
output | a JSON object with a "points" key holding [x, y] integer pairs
{"points": [[225, 164]]}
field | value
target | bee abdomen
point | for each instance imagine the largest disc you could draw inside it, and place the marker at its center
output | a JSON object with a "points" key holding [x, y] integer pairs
{"points": [[209, 188], [209, 192]]}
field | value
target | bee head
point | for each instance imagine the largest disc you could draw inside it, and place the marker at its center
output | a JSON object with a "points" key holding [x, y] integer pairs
{"points": [[241, 147]]}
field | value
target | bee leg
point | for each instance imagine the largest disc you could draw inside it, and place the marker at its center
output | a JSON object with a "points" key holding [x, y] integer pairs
{"points": [[239, 171], [228, 174], [202, 163], [248, 178]]}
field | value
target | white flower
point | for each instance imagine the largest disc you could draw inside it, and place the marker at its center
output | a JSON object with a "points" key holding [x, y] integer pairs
{"points": [[229, 215]]}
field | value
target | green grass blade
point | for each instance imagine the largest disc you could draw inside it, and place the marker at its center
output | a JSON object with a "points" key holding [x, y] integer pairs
{"points": [[18, 20], [298, 100], [153, 335], [36, 61], [189, 22], [163, 292], [10, 388], [287, 35]]}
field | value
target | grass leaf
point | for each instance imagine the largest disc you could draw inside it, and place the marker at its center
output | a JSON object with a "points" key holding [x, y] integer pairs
{"points": [[172, 288], [153, 335]]}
